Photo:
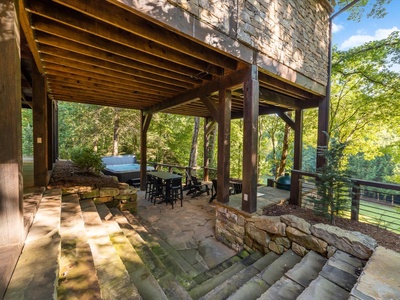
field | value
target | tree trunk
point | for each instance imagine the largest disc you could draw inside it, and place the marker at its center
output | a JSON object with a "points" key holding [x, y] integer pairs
{"points": [[285, 148], [116, 131], [193, 150]]}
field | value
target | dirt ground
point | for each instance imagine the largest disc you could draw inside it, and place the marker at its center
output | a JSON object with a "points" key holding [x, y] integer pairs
{"points": [[66, 174]]}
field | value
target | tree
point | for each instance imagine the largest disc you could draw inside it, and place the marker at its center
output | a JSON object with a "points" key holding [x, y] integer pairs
{"points": [[333, 196], [376, 10], [194, 148]]}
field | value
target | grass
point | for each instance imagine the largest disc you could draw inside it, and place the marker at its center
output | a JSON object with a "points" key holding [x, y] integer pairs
{"points": [[380, 215]]}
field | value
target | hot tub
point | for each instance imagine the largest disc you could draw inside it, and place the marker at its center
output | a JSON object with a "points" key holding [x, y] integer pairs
{"points": [[124, 167]]}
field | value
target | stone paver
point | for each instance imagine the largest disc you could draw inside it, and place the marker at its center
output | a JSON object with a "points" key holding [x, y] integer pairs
{"points": [[188, 229], [380, 278]]}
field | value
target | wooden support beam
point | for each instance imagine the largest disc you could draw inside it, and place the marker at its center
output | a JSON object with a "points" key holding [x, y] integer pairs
{"points": [[144, 127], [26, 28], [224, 136], [211, 106], [250, 141], [323, 129], [11, 185], [131, 22], [225, 82], [295, 191], [287, 120], [40, 129]]}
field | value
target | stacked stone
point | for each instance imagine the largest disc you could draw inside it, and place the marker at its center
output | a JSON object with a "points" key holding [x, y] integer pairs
{"points": [[124, 197], [293, 33], [279, 234]]}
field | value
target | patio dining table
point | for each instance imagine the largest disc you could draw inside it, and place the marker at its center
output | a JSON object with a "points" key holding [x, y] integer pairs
{"points": [[166, 177]]}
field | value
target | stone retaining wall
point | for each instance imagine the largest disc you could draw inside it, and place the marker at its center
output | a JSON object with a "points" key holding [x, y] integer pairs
{"points": [[124, 197], [240, 230], [293, 33]]}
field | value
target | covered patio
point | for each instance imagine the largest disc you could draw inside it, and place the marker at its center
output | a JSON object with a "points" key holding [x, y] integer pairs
{"points": [[172, 57]]}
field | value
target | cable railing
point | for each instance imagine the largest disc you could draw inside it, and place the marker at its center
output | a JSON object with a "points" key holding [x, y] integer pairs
{"points": [[371, 202]]}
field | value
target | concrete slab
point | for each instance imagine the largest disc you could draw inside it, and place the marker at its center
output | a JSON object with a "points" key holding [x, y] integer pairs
{"points": [[380, 277]]}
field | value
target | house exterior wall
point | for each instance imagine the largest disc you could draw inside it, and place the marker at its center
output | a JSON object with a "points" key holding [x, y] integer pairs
{"points": [[292, 33]]}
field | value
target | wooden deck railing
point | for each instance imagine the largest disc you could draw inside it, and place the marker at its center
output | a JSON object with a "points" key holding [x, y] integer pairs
{"points": [[367, 193]]}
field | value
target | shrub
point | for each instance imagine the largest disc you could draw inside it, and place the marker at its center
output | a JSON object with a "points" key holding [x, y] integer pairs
{"points": [[333, 184], [87, 160]]}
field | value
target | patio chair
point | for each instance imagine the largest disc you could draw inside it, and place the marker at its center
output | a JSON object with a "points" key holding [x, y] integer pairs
{"points": [[176, 191], [197, 188], [237, 188]]}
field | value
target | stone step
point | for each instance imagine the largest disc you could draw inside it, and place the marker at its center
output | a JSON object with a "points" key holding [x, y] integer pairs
{"points": [[35, 275], [171, 286], [336, 279], [380, 277], [237, 281], [151, 235], [113, 277], [212, 283], [267, 276], [293, 283], [140, 275], [77, 273], [220, 267], [173, 261]]}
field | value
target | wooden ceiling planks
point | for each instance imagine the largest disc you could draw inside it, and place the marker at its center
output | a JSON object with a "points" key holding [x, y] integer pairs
{"points": [[98, 52]]}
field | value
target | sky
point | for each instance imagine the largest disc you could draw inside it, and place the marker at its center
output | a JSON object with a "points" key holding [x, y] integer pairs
{"points": [[348, 34]]}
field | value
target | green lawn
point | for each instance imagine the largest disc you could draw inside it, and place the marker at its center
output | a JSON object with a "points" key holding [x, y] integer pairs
{"points": [[381, 215]]}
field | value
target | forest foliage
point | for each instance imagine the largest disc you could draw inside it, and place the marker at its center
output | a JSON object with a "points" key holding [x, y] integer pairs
{"points": [[365, 113]]}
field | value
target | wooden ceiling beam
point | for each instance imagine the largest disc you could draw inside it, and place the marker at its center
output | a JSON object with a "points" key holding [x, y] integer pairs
{"points": [[113, 37], [95, 101], [96, 89], [135, 24], [54, 28], [74, 58], [108, 86], [84, 70], [211, 106], [113, 84], [50, 43], [27, 30], [284, 87], [231, 81], [154, 80]]}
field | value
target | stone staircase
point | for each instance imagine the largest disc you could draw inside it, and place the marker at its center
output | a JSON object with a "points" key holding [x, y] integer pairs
{"points": [[79, 250]]}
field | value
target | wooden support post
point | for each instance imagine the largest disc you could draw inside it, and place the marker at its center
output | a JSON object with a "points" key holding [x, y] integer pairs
{"points": [[355, 202], [206, 159], [323, 128], [50, 133], [295, 190], [224, 143], [250, 141], [40, 128], [144, 127], [11, 203]]}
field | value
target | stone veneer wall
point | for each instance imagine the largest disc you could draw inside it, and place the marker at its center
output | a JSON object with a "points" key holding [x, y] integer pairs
{"points": [[124, 197], [240, 230], [293, 33]]}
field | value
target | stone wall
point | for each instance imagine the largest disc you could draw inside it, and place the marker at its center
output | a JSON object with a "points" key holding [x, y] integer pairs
{"points": [[124, 197], [292, 33], [240, 230]]}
